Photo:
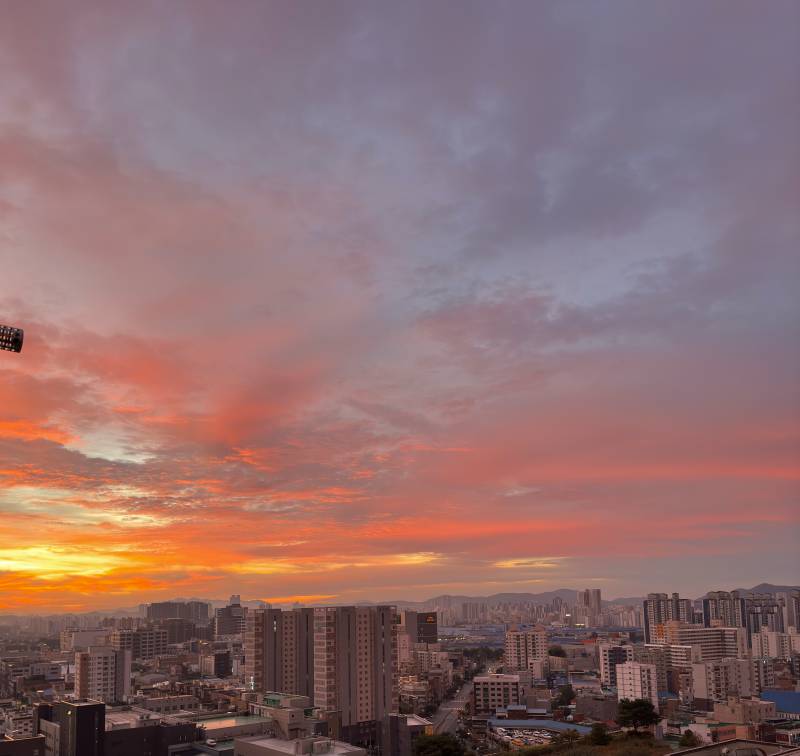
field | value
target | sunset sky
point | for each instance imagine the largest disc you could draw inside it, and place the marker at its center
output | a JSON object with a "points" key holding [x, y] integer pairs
{"points": [[380, 300]]}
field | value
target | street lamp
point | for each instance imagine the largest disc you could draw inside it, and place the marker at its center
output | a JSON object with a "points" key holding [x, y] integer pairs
{"points": [[11, 338]]}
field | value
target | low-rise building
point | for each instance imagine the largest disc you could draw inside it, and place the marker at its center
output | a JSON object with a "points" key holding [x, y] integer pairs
{"points": [[494, 691], [744, 710], [311, 746], [132, 731], [28, 746]]}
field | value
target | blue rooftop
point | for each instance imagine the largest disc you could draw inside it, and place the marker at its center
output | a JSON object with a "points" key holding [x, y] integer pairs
{"points": [[784, 700]]}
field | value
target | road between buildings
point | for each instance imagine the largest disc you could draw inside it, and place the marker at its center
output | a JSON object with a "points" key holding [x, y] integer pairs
{"points": [[446, 718]]}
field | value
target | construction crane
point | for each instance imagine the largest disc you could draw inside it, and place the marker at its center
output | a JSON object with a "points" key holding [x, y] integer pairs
{"points": [[11, 338]]}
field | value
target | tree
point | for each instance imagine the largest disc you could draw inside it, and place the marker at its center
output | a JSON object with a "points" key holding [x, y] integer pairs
{"points": [[565, 695], [556, 651], [689, 740], [438, 745], [637, 713], [567, 738], [599, 735]]}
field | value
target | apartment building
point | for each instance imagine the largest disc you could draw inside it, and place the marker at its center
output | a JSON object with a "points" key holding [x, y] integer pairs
{"points": [[774, 645], [718, 680], [659, 608], [80, 640], [713, 642], [143, 643], [636, 680], [279, 651], [610, 656], [522, 647], [103, 674], [355, 666], [194, 611]]}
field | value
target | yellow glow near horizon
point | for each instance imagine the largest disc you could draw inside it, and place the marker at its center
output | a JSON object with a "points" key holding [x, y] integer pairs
{"points": [[550, 563], [53, 563], [285, 566]]}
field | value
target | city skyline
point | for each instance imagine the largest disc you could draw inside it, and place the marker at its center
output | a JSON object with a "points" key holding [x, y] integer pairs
{"points": [[348, 302]]}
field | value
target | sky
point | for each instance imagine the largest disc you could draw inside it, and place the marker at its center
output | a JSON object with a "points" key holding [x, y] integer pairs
{"points": [[349, 301]]}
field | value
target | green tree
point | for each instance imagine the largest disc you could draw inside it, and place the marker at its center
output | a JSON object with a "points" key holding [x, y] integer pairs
{"points": [[565, 695], [438, 745], [599, 735], [637, 713], [689, 740], [567, 738], [556, 651]]}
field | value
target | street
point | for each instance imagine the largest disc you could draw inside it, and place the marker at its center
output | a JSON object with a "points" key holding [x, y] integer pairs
{"points": [[446, 718]]}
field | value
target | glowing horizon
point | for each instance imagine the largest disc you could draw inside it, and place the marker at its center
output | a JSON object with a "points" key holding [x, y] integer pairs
{"points": [[375, 302]]}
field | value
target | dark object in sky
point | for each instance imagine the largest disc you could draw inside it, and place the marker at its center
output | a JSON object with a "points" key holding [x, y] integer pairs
{"points": [[11, 338]]}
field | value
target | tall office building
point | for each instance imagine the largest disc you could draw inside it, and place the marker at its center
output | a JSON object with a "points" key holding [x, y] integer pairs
{"points": [[422, 627], [71, 728], [355, 667], [635, 680], [523, 647], [279, 651], [230, 619], [610, 656], [195, 611], [592, 604], [179, 630], [660, 608], [103, 674]]}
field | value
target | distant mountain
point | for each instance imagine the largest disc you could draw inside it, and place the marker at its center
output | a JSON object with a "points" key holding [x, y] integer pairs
{"points": [[630, 601], [770, 588], [447, 600], [760, 588], [568, 595]]}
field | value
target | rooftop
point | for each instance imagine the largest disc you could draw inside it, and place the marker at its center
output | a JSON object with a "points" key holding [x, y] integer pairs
{"points": [[307, 745], [231, 720], [118, 719], [414, 720], [740, 747], [496, 677], [785, 700], [540, 724]]}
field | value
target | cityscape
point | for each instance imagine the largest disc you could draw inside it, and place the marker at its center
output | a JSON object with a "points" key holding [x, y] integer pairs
{"points": [[507, 671], [399, 377]]}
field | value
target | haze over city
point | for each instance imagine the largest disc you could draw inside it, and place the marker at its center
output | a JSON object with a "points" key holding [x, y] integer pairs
{"points": [[343, 302]]}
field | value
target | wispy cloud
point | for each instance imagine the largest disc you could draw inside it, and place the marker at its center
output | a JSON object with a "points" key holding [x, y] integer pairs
{"points": [[466, 287]]}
